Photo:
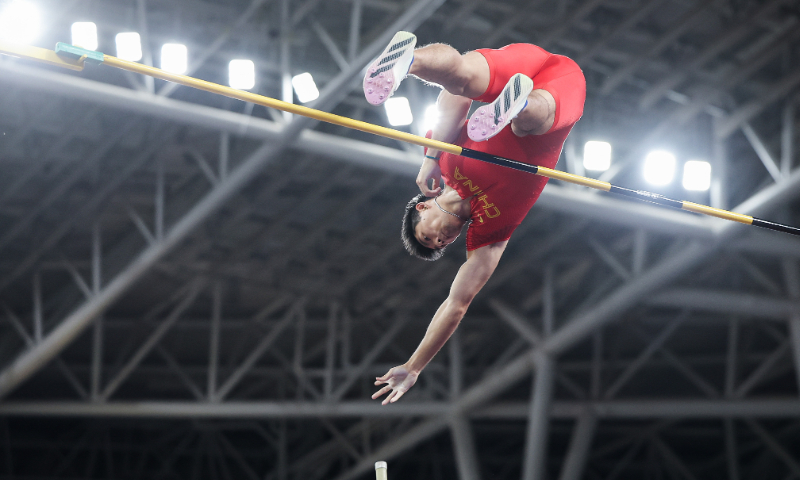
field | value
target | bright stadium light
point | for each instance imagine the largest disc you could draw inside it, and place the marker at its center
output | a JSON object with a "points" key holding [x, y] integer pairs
{"points": [[242, 74], [129, 46], [305, 88], [659, 167], [430, 119], [597, 156], [399, 111], [697, 175], [174, 58], [84, 35], [19, 22]]}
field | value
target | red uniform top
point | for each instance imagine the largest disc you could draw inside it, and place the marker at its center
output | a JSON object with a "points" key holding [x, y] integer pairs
{"points": [[501, 196]]}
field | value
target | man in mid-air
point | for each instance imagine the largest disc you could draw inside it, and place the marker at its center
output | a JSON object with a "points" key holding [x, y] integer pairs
{"points": [[539, 96]]}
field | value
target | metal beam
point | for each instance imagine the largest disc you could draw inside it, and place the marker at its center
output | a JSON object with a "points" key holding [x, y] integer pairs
{"points": [[730, 35], [535, 456], [152, 341], [761, 150], [776, 447], [758, 306], [731, 454], [466, 455], [257, 352], [749, 110], [668, 39], [436, 413], [787, 136], [648, 352], [579, 447]]}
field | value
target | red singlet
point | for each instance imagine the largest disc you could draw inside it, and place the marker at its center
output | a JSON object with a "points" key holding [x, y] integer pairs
{"points": [[501, 197]]}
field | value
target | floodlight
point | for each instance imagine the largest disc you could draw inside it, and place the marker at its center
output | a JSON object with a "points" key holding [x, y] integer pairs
{"points": [[84, 35], [399, 111], [659, 167], [430, 120], [19, 22], [697, 175], [305, 88], [174, 58], [242, 74], [129, 46], [597, 156]]}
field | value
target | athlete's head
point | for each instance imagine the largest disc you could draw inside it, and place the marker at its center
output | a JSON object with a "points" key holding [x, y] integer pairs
{"points": [[426, 230]]}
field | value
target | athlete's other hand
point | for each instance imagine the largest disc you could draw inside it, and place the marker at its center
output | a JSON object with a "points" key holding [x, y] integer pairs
{"points": [[398, 380], [430, 170]]}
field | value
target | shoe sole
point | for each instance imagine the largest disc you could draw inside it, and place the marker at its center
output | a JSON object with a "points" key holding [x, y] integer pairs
{"points": [[489, 120], [390, 68]]}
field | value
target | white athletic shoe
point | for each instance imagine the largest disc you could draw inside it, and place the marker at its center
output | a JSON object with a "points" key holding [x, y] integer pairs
{"points": [[489, 120], [390, 68]]}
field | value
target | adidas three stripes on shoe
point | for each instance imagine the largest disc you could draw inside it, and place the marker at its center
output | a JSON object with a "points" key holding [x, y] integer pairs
{"points": [[390, 68], [489, 120]]}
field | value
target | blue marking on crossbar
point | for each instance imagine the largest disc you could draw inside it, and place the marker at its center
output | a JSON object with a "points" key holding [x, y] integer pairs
{"points": [[68, 50]]}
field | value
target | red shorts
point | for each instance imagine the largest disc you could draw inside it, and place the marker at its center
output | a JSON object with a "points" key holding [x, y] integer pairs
{"points": [[559, 75]]}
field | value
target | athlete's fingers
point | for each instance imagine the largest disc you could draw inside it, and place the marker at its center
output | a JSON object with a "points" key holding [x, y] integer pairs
{"points": [[389, 397], [399, 393], [381, 392], [436, 185], [384, 378]]}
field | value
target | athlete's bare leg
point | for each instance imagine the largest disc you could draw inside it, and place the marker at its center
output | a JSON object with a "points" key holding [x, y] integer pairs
{"points": [[468, 75]]}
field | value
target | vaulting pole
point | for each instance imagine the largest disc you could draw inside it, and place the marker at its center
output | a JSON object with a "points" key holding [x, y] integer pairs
{"points": [[72, 57]]}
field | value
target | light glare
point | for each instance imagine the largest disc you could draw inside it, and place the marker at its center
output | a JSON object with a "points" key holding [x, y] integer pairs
{"points": [[305, 88], [659, 167], [84, 35], [129, 46], [174, 58], [597, 156], [430, 119], [697, 175], [19, 23], [242, 74], [399, 111]]}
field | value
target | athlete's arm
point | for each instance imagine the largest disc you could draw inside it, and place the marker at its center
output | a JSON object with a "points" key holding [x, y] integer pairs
{"points": [[453, 111], [471, 277]]}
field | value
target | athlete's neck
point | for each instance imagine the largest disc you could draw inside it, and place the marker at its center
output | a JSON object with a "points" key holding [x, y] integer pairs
{"points": [[451, 201]]}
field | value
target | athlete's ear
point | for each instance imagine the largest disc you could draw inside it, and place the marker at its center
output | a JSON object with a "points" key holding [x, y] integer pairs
{"points": [[422, 206]]}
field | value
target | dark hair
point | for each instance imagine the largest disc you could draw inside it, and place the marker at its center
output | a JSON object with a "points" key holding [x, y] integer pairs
{"points": [[411, 218]]}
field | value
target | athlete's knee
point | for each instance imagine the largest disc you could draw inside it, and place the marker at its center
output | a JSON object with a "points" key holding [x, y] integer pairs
{"points": [[476, 74], [537, 117]]}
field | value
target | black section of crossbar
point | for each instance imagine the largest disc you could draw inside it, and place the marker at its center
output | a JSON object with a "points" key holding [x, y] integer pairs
{"points": [[776, 226], [502, 161]]}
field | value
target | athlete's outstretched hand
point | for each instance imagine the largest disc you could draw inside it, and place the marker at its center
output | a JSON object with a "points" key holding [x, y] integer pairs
{"points": [[398, 380], [429, 170]]}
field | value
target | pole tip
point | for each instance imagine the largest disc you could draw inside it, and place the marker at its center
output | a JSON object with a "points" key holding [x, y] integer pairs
{"points": [[380, 465]]}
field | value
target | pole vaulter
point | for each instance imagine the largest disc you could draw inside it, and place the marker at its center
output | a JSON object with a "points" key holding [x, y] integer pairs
{"points": [[75, 58]]}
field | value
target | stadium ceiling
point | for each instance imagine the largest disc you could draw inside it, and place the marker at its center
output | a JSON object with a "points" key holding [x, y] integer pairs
{"points": [[195, 287]]}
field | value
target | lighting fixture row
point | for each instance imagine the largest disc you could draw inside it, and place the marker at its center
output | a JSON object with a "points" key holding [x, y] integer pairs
{"points": [[658, 169], [20, 22]]}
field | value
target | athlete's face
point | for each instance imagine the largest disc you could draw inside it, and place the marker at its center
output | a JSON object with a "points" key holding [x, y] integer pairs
{"points": [[436, 229]]}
